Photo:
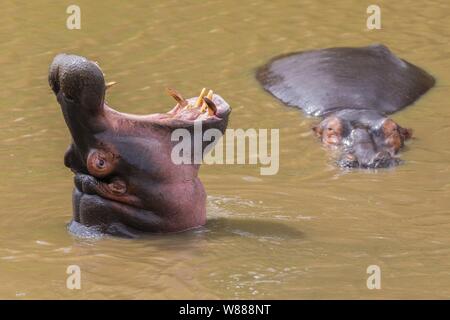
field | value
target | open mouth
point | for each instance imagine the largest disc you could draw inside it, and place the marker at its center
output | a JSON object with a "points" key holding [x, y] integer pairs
{"points": [[207, 107], [124, 166], [95, 189]]}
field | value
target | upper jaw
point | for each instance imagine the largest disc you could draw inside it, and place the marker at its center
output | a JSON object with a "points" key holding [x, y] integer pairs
{"points": [[80, 88]]}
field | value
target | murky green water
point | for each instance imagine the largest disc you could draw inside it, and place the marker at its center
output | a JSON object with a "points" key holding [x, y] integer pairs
{"points": [[308, 232]]}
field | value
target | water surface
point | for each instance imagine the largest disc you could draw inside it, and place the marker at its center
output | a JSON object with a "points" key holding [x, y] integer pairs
{"points": [[308, 232]]}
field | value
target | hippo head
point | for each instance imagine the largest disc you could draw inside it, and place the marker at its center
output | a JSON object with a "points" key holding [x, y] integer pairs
{"points": [[126, 181], [363, 138]]}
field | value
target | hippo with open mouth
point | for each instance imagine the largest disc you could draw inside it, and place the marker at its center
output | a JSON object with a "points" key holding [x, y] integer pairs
{"points": [[353, 90], [125, 179]]}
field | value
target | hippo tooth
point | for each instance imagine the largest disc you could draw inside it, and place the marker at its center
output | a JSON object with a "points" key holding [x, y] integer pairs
{"points": [[110, 84], [212, 109], [205, 105], [177, 96], [200, 98]]}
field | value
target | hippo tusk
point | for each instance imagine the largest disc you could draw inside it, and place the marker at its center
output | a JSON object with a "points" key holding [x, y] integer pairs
{"points": [[209, 96], [212, 109], [177, 96], [200, 98], [109, 84]]}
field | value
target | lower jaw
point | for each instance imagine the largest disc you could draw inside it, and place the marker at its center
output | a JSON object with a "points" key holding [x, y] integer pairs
{"points": [[95, 200], [101, 214], [108, 217]]}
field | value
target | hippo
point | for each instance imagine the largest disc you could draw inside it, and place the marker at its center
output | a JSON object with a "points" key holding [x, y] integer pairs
{"points": [[125, 180], [353, 90]]}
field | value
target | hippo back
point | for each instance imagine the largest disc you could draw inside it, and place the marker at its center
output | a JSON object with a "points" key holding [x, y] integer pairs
{"points": [[328, 80]]}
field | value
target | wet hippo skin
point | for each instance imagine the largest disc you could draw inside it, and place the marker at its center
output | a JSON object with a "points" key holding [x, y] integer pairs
{"points": [[125, 180], [353, 90]]}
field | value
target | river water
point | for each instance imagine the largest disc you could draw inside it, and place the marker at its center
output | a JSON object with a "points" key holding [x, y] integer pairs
{"points": [[310, 231]]}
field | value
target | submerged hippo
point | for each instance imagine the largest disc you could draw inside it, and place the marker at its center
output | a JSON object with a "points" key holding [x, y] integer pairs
{"points": [[125, 179], [353, 90]]}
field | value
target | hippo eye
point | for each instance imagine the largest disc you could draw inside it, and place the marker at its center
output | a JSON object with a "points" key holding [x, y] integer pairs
{"points": [[101, 163]]}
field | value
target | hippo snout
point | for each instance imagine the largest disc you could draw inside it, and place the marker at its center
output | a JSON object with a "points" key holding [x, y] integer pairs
{"points": [[77, 79], [384, 159], [363, 151]]}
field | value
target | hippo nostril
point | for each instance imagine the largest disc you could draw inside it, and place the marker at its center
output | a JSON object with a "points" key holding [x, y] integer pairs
{"points": [[68, 97], [349, 160], [53, 79], [383, 159]]}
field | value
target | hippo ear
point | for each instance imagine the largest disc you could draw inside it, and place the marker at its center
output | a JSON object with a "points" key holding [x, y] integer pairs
{"points": [[318, 130], [406, 133]]}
